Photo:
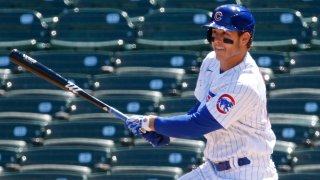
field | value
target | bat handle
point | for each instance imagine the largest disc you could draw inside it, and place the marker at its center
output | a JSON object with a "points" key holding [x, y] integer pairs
{"points": [[117, 113]]}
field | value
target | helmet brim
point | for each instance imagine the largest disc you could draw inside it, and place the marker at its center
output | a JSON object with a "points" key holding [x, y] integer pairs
{"points": [[217, 26]]}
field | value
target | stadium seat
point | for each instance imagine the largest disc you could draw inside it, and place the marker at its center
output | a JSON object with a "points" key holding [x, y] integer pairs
{"points": [[280, 29], [93, 157], [139, 174], [185, 158], [306, 160], [101, 127], [6, 66], [22, 29], [176, 105], [32, 132], [275, 60], [53, 106], [48, 8], [199, 4], [127, 105], [282, 155], [305, 106], [315, 41], [13, 144], [305, 62], [135, 9], [300, 129], [306, 7], [298, 176], [176, 28], [82, 62], [189, 83], [42, 175], [294, 86], [187, 60], [93, 29], [157, 80], [26, 81], [10, 158]]}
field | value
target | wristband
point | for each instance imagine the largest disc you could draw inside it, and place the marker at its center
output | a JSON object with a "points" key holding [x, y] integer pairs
{"points": [[145, 123]]}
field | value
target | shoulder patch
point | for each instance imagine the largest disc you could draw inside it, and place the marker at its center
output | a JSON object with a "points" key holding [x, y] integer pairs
{"points": [[225, 103]]}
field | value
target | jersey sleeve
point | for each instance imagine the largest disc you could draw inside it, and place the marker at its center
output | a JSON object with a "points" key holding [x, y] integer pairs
{"points": [[228, 106]]}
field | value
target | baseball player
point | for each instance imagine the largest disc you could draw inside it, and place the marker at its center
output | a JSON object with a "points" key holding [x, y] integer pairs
{"points": [[231, 111]]}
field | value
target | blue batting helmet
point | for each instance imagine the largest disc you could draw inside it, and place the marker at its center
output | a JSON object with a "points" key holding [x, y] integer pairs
{"points": [[232, 17]]}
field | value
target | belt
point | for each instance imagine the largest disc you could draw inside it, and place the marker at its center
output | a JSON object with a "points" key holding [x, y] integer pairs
{"points": [[225, 165]]}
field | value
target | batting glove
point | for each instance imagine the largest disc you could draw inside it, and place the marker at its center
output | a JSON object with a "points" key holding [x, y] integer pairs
{"points": [[138, 124]]}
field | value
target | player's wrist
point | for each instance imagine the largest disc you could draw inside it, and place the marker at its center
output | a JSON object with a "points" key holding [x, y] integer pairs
{"points": [[145, 123]]}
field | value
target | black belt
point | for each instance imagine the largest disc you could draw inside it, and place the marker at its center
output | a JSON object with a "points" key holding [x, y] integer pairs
{"points": [[225, 165]]}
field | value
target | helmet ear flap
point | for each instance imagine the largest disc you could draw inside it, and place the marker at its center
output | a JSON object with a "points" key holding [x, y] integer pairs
{"points": [[209, 35]]}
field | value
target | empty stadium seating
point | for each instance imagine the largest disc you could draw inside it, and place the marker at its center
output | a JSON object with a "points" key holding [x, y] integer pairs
{"points": [[101, 127], [22, 29], [305, 62], [135, 9], [187, 60], [84, 62], [276, 60], [167, 34], [280, 29], [93, 29], [48, 8]]}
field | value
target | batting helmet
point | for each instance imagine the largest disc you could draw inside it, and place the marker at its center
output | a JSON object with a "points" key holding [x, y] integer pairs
{"points": [[231, 17]]}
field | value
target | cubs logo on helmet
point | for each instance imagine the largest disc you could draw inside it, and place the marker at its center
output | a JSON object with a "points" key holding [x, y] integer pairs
{"points": [[225, 103]]}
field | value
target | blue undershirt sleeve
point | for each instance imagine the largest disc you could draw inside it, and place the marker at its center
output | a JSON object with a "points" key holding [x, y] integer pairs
{"points": [[194, 108], [187, 126]]}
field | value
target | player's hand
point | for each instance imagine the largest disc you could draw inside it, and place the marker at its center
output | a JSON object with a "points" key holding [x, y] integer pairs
{"points": [[136, 124]]}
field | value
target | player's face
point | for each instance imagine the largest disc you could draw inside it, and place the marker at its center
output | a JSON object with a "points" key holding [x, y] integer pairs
{"points": [[228, 46]]}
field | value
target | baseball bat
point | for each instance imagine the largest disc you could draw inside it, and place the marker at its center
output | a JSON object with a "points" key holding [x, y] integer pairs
{"points": [[56, 79]]}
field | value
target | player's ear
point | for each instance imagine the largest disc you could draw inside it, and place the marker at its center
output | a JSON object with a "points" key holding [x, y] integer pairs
{"points": [[244, 39]]}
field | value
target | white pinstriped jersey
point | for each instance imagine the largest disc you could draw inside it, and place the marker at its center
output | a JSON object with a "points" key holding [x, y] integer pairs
{"points": [[237, 100]]}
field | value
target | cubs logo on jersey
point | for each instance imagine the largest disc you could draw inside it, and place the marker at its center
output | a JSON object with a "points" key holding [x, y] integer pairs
{"points": [[225, 103]]}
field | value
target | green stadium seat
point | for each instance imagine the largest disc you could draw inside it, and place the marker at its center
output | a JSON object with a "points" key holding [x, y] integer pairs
{"points": [[48, 8], [300, 129], [282, 155], [183, 157], [22, 29], [93, 29], [10, 158], [31, 132], [156, 80], [306, 160], [176, 28], [298, 176], [304, 106], [306, 7], [277, 61], [127, 105], [315, 41], [280, 29], [42, 175], [176, 105], [294, 86], [82, 62], [26, 81], [53, 106], [305, 62], [187, 60], [101, 127], [93, 157], [135, 9], [199, 4]]}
